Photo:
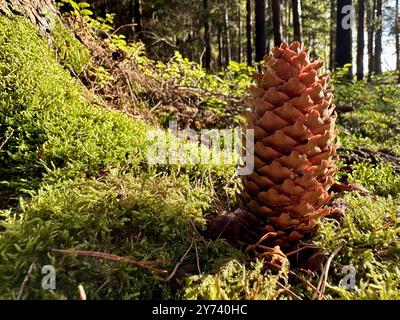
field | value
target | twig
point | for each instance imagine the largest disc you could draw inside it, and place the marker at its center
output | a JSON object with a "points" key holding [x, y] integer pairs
{"points": [[106, 256], [293, 275], [8, 136], [129, 83], [289, 292], [82, 292], [197, 258], [179, 263], [25, 281], [123, 26], [300, 249], [324, 276]]}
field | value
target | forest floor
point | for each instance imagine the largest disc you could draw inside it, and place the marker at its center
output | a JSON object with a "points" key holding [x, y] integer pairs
{"points": [[74, 117]]}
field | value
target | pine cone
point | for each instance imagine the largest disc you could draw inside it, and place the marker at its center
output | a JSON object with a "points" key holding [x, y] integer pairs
{"points": [[294, 154]]}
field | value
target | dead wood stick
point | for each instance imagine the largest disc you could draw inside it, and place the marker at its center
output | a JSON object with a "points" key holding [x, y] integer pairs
{"points": [[288, 291], [106, 256], [25, 281], [179, 263], [324, 276]]}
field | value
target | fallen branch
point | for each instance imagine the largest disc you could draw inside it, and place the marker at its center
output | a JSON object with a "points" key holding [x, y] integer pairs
{"points": [[337, 187], [356, 155], [106, 256], [344, 109]]}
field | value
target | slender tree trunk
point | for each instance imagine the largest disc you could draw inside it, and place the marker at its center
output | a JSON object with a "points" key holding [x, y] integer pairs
{"points": [[260, 29], [297, 27], [397, 35], [220, 48], [227, 37], [332, 36], [249, 48], [344, 34], [137, 18], [371, 33], [360, 40], [276, 22], [240, 25], [378, 38], [207, 36], [288, 20]]}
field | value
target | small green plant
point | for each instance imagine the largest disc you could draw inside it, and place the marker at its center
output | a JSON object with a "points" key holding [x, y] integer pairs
{"points": [[78, 8]]}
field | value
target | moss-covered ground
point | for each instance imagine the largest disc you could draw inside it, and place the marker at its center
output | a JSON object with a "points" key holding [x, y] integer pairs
{"points": [[75, 176]]}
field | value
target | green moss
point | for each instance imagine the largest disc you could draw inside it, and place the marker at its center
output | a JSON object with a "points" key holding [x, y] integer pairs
{"points": [[53, 127], [380, 179], [370, 230], [71, 53], [85, 184], [142, 218], [234, 281]]}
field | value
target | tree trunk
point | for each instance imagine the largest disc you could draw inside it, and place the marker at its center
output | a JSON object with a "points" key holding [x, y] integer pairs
{"points": [[240, 34], [137, 18], [360, 40], [378, 38], [207, 37], [276, 22], [35, 10], [397, 35], [220, 48], [332, 36], [297, 27], [227, 38], [371, 32], [344, 34], [260, 29], [249, 48]]}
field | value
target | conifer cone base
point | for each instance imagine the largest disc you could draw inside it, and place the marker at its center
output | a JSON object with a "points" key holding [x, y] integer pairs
{"points": [[292, 114]]}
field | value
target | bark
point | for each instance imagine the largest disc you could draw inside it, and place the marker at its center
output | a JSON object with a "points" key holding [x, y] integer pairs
{"points": [[397, 35], [249, 47], [207, 36], [276, 22], [227, 38], [39, 12], [360, 40], [297, 27], [378, 38], [260, 29], [137, 18], [371, 32], [220, 48], [343, 35], [240, 48]]}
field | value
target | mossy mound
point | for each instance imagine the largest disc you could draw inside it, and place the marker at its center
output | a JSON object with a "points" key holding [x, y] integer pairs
{"points": [[73, 177], [50, 125]]}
